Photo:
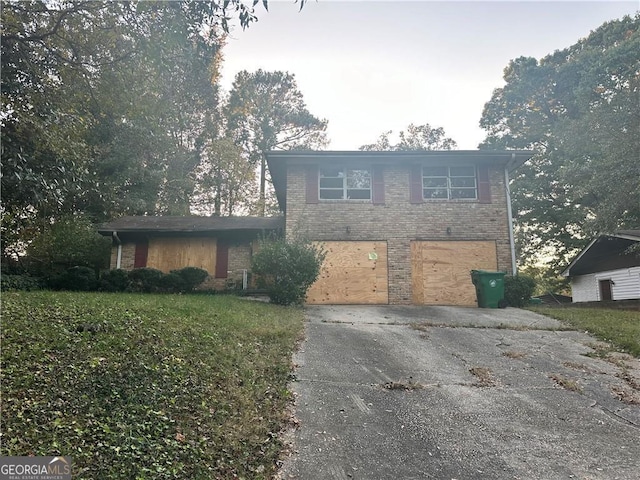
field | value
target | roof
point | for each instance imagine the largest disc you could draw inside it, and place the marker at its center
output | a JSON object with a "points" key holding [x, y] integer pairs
{"points": [[278, 160], [606, 252], [142, 224]]}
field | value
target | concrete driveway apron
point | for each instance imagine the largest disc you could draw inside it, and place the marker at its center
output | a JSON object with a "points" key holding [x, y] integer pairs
{"points": [[458, 393]]}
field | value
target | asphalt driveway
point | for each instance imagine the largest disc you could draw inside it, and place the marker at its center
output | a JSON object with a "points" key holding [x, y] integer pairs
{"points": [[459, 393]]}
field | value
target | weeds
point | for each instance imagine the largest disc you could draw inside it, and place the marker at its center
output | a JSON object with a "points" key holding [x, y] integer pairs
{"points": [[566, 383], [484, 377]]}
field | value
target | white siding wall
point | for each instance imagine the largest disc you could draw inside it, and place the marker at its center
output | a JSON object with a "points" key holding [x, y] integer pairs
{"points": [[626, 285]]}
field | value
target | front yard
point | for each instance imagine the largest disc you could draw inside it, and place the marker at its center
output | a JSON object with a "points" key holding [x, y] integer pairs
{"points": [[147, 386]]}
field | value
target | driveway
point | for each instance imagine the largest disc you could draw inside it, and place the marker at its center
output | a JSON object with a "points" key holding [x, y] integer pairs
{"points": [[400, 392]]}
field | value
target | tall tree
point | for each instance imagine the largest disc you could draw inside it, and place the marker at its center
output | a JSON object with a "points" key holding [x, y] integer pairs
{"points": [[415, 137], [266, 111], [578, 110], [106, 106]]}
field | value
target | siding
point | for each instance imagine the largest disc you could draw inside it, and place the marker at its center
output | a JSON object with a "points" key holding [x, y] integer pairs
{"points": [[626, 285]]}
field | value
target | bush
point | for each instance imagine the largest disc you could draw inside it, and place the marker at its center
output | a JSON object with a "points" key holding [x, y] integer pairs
{"points": [[145, 280], [287, 269], [114, 281], [20, 282], [518, 290], [191, 277], [78, 279], [172, 283]]}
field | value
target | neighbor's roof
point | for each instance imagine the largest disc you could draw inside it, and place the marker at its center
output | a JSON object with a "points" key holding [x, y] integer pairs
{"points": [[279, 159], [141, 224], [606, 252]]}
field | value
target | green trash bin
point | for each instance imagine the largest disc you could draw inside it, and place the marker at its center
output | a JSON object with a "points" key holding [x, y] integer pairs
{"points": [[489, 288]]}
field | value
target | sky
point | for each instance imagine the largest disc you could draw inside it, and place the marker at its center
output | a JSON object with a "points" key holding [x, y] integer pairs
{"points": [[373, 66]]}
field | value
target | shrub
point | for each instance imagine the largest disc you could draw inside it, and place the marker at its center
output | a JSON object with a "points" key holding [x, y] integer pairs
{"points": [[79, 279], [518, 290], [172, 283], [20, 282], [146, 280], [114, 281], [287, 269], [191, 277], [70, 241]]}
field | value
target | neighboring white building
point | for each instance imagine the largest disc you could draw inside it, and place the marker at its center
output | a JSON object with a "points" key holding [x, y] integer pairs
{"points": [[606, 270]]}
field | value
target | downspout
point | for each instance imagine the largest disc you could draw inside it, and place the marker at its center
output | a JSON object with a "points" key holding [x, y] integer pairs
{"points": [[119, 255], [512, 243]]}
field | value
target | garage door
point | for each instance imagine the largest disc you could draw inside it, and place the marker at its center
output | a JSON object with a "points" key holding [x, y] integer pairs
{"points": [[352, 273], [440, 271]]}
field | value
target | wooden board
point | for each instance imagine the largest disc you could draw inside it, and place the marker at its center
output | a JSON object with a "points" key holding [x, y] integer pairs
{"points": [[352, 273], [168, 254], [440, 271]]}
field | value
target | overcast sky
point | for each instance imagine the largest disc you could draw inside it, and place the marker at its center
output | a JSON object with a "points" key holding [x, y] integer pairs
{"points": [[368, 67]]}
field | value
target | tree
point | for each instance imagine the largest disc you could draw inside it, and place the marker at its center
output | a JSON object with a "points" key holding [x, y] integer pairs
{"points": [[223, 179], [106, 107], [416, 137], [266, 111], [578, 110]]}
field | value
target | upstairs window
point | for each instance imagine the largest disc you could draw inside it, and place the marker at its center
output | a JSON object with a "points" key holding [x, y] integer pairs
{"points": [[449, 183], [345, 184]]}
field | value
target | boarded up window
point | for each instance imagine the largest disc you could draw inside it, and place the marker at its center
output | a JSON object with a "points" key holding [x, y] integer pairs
{"points": [[168, 254], [140, 257]]}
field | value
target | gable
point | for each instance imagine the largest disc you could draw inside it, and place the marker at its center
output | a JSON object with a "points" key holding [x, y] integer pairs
{"points": [[607, 252]]}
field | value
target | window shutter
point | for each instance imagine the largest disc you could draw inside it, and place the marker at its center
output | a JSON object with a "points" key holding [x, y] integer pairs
{"points": [[312, 185], [377, 183], [484, 186], [415, 184], [222, 259], [140, 256]]}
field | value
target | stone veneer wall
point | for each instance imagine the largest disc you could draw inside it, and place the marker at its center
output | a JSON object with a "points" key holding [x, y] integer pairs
{"points": [[398, 221]]}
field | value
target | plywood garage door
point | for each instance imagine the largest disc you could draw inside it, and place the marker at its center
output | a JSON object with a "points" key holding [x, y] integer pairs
{"points": [[440, 271], [352, 273], [168, 254]]}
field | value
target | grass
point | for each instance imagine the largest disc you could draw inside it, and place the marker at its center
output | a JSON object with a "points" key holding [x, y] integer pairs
{"points": [[618, 327], [147, 386]]}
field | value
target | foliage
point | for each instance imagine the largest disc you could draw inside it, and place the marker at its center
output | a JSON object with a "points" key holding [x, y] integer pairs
{"points": [[620, 327], [69, 242], [147, 386], [224, 180], [77, 279], [116, 280], [106, 107], [146, 280], [27, 283], [518, 290], [287, 268], [266, 111], [416, 137], [577, 109], [547, 281], [190, 277]]}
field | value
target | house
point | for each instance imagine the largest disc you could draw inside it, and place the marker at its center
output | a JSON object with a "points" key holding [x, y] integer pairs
{"points": [[223, 246], [606, 270], [399, 227]]}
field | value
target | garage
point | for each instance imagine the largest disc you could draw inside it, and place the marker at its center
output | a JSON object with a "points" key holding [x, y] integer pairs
{"points": [[352, 273], [440, 270]]}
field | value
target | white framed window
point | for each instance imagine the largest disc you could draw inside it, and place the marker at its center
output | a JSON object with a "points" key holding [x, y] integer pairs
{"points": [[338, 183], [449, 183]]}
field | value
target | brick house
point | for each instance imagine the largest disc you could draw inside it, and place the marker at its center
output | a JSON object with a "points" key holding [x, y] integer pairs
{"points": [[223, 246], [399, 227]]}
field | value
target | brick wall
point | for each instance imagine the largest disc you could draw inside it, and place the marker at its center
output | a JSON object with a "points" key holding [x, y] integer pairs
{"points": [[398, 221]]}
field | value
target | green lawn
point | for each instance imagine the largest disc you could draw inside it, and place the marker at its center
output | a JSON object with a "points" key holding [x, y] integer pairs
{"points": [[147, 386], [619, 327]]}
